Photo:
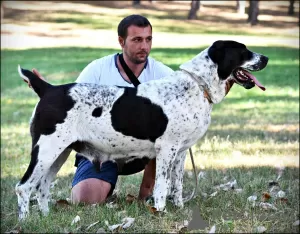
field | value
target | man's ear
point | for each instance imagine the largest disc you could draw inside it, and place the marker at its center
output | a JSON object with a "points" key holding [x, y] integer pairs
{"points": [[121, 41]]}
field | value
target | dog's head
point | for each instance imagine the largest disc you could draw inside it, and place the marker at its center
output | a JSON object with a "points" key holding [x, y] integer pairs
{"points": [[235, 61], [225, 61]]}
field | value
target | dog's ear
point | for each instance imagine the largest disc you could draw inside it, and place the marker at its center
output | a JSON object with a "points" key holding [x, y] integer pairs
{"points": [[216, 52]]}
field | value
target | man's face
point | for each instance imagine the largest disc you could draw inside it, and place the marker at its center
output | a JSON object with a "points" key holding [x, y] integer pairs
{"points": [[138, 43]]}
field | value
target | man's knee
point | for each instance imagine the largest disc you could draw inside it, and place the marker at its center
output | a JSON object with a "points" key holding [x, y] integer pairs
{"points": [[90, 191]]}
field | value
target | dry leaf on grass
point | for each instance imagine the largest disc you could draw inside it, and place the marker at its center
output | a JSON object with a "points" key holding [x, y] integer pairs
{"points": [[267, 206], [18, 230], [265, 197], [213, 229], [280, 194], [91, 225], [75, 220], [126, 223], [130, 198], [101, 230], [260, 229], [111, 205], [62, 203], [213, 194], [296, 223]]}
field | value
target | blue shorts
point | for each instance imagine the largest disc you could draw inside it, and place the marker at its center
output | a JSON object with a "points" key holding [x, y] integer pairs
{"points": [[85, 170]]}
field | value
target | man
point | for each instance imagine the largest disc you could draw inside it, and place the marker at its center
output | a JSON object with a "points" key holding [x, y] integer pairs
{"points": [[135, 38]]}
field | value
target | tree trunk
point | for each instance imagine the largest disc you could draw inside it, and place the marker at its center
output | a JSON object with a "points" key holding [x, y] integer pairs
{"points": [[240, 6], [195, 6], [291, 7], [253, 12], [136, 2]]}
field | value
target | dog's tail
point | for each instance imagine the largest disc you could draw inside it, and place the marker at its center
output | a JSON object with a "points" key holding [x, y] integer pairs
{"points": [[39, 85]]}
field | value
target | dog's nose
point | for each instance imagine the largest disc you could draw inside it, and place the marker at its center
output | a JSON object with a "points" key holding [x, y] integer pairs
{"points": [[264, 59]]}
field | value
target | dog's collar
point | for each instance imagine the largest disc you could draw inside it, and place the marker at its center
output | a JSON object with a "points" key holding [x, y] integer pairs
{"points": [[205, 92]]}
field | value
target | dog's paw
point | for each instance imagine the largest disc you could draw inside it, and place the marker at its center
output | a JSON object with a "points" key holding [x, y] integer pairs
{"points": [[149, 199]]}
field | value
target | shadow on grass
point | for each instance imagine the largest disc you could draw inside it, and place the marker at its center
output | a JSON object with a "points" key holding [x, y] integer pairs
{"points": [[226, 205]]}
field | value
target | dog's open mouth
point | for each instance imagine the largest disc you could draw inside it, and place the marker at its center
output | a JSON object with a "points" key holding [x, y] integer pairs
{"points": [[243, 76]]}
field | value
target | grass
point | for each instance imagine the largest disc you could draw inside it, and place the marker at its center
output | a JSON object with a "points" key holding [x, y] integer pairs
{"points": [[252, 133]]}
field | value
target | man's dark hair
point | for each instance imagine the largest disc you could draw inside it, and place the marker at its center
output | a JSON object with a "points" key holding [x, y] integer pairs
{"points": [[136, 20]]}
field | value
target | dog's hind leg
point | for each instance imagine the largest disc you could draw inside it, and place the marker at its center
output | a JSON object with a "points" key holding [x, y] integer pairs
{"points": [[43, 188], [165, 155], [44, 154], [177, 179]]}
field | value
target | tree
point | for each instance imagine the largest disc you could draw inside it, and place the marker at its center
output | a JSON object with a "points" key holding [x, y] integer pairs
{"points": [[195, 6], [291, 7], [253, 12], [136, 2], [240, 6]]}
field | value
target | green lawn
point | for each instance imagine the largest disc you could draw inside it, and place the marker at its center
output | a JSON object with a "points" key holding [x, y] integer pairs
{"points": [[251, 135]]}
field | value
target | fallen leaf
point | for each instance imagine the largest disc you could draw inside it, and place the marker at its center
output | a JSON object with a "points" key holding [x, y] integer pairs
{"points": [[114, 227], [260, 229], [280, 194], [238, 190], [152, 209], [267, 206], [18, 230], [266, 196], [111, 205], [213, 229], [213, 194], [127, 222], [75, 220], [252, 198], [130, 198], [62, 203], [296, 223], [91, 225], [101, 230], [282, 200]]}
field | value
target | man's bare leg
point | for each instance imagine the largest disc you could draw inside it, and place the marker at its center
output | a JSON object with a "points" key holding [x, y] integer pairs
{"points": [[90, 191]]}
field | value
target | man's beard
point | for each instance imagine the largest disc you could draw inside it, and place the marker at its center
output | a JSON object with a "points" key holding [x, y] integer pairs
{"points": [[137, 60]]}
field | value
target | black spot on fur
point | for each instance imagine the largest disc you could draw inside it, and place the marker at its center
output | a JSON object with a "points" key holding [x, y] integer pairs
{"points": [[138, 116], [97, 112], [51, 110], [33, 162], [38, 186]]}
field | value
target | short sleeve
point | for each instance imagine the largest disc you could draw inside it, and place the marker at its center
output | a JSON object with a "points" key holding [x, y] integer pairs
{"points": [[162, 70], [91, 73]]}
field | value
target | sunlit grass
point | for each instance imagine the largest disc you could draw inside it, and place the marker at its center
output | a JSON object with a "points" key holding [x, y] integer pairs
{"points": [[252, 133]]}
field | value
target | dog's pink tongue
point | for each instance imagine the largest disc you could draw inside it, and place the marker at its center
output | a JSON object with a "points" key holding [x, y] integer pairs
{"points": [[255, 80]]}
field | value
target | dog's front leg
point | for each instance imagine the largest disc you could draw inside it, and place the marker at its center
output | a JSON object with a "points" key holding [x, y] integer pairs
{"points": [[164, 159]]}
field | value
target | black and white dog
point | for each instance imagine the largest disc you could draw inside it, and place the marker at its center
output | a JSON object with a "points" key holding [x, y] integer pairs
{"points": [[160, 119]]}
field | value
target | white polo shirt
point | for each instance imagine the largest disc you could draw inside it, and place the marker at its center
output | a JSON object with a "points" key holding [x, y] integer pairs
{"points": [[104, 71]]}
